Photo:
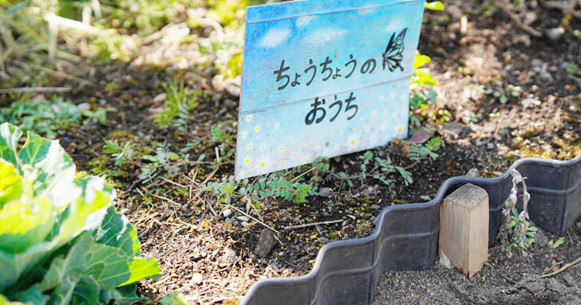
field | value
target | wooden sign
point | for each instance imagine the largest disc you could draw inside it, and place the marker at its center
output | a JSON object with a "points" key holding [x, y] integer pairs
{"points": [[324, 78]]}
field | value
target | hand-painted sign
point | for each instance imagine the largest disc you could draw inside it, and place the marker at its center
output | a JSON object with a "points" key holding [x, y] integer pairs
{"points": [[324, 78]]}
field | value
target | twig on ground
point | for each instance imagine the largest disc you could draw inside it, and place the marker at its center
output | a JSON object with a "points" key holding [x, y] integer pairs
{"points": [[172, 182], [133, 185], [36, 90], [516, 20], [344, 178], [412, 165], [313, 224], [166, 199], [565, 267], [297, 177], [253, 218]]}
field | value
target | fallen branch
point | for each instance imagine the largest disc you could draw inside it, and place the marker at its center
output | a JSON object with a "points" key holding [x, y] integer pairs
{"points": [[565, 267], [313, 224], [36, 90]]}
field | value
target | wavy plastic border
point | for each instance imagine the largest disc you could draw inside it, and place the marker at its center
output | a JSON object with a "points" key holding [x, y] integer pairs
{"points": [[406, 237]]}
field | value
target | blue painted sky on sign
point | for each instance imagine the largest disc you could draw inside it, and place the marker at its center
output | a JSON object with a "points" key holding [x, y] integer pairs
{"points": [[332, 53]]}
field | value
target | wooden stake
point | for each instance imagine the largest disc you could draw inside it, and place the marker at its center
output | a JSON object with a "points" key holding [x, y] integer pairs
{"points": [[464, 229]]}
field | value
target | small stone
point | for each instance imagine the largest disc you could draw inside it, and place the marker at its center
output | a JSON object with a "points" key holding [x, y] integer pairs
{"points": [[323, 240], [445, 261], [490, 146], [480, 142], [425, 197], [233, 86], [243, 218], [530, 102], [325, 192], [266, 243], [197, 278], [541, 238], [537, 62], [80, 108], [226, 213], [422, 136], [375, 207], [555, 33], [473, 172], [453, 128], [229, 257], [504, 131], [545, 75]]}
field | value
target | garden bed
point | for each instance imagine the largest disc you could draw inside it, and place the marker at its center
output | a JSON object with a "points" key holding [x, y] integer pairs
{"points": [[210, 257]]}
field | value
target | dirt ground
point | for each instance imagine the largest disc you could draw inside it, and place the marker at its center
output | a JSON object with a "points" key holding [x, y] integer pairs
{"points": [[503, 280], [478, 56]]}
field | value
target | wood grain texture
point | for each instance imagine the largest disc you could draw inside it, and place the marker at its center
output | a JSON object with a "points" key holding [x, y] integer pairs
{"points": [[464, 229]]}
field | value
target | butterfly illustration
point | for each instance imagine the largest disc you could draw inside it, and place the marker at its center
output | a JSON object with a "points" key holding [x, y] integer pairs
{"points": [[393, 56]]}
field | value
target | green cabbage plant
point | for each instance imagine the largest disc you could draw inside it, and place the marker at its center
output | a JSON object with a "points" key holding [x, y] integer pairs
{"points": [[61, 240]]}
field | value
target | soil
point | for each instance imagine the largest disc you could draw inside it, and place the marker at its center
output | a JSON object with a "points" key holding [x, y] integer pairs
{"points": [[504, 279], [210, 257]]}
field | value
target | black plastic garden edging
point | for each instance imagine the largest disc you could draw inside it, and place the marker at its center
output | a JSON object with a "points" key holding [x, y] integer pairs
{"points": [[406, 237]]}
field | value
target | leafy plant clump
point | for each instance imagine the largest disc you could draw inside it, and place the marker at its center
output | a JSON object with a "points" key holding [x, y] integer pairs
{"points": [[61, 240], [47, 117], [272, 186]]}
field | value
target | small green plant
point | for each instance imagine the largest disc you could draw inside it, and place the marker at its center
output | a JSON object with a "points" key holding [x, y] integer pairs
{"points": [[435, 6], [179, 104], [386, 168], [421, 93], [218, 135], [382, 171], [518, 240], [120, 154], [61, 239], [554, 244], [157, 162], [366, 159], [572, 68], [274, 185], [422, 80], [48, 117], [225, 142], [419, 152]]}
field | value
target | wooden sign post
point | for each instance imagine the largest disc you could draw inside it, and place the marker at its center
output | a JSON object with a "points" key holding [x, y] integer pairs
{"points": [[324, 78]]}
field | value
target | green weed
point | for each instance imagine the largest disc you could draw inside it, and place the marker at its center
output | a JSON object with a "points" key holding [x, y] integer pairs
{"points": [[179, 104], [121, 154], [274, 185], [49, 117], [517, 240], [554, 244]]}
